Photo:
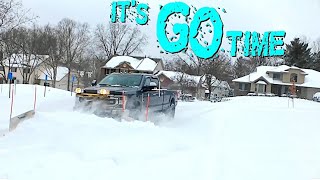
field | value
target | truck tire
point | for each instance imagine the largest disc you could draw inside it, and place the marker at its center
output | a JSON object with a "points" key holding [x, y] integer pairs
{"points": [[172, 109], [136, 111]]}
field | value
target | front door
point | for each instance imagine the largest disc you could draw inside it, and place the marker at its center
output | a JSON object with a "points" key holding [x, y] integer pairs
{"points": [[261, 88]]}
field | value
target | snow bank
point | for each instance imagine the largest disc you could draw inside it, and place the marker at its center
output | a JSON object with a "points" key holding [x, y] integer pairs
{"points": [[245, 138], [55, 100]]}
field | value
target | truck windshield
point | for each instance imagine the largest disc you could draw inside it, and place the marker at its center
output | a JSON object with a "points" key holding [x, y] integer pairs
{"points": [[128, 80]]}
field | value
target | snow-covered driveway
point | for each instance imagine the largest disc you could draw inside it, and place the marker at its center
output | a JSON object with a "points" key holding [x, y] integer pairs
{"points": [[246, 138]]}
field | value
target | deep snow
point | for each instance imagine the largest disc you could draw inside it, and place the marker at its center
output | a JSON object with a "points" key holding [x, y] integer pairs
{"points": [[246, 138]]}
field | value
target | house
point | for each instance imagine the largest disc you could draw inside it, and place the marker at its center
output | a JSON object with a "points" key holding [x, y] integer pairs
{"points": [[221, 89], [179, 81], [132, 64], [24, 68], [61, 78], [277, 80], [191, 84]]}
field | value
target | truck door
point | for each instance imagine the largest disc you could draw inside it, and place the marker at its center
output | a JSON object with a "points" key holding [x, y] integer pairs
{"points": [[166, 99], [158, 95], [154, 104]]}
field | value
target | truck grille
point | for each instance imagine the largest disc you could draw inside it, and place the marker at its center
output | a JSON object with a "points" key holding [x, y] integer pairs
{"points": [[111, 101], [88, 91]]}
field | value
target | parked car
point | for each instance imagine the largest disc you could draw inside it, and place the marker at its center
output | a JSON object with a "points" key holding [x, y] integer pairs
{"points": [[316, 97], [187, 97], [251, 94], [216, 99], [270, 94]]}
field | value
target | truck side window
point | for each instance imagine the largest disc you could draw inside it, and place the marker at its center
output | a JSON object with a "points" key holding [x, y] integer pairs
{"points": [[156, 81], [147, 82]]}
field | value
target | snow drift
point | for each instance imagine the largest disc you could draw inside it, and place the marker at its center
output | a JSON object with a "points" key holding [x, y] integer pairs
{"points": [[245, 138]]}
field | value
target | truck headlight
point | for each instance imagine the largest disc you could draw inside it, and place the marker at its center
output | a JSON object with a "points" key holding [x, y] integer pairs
{"points": [[104, 92], [78, 90]]}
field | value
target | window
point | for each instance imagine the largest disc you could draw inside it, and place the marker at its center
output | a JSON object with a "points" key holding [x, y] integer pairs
{"points": [[261, 88], [293, 77], [126, 80], [155, 80], [147, 82], [27, 70], [14, 69], [276, 76], [244, 86], [123, 70]]}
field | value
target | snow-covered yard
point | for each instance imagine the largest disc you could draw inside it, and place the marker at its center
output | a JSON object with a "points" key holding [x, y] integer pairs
{"points": [[247, 138]]}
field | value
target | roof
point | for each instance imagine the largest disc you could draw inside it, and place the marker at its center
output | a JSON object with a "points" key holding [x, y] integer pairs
{"points": [[262, 82], [143, 64], [174, 76], [311, 79], [61, 73], [23, 60]]}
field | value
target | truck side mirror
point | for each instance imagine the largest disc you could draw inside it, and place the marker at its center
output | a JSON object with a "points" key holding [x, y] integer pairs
{"points": [[94, 83], [150, 86], [153, 84]]}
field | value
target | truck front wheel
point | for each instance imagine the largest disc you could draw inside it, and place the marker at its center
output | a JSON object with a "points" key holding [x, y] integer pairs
{"points": [[172, 109]]}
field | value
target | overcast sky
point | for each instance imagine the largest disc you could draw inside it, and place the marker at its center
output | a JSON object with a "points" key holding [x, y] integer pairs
{"points": [[296, 17]]}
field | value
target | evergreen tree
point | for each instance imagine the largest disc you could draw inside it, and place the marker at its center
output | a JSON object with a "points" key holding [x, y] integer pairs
{"points": [[298, 54], [241, 67], [316, 61]]}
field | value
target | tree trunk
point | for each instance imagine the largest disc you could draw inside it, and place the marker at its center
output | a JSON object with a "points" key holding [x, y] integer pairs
{"points": [[54, 77], [69, 73]]}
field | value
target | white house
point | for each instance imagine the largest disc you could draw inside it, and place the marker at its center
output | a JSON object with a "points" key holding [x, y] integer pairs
{"points": [[192, 84], [24, 68], [132, 64], [61, 78], [277, 80]]}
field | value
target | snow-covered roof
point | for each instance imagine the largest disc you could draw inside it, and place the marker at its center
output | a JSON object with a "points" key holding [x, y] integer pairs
{"points": [[175, 76], [61, 73], [145, 64], [23, 60], [262, 82], [311, 79]]}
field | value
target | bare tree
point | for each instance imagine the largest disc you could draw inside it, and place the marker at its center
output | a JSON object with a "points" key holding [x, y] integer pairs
{"points": [[315, 64], [216, 70], [117, 39], [74, 38], [30, 54], [51, 46], [185, 81], [9, 48], [12, 15]]}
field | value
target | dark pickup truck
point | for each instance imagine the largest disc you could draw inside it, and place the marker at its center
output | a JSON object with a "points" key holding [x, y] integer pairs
{"points": [[126, 94]]}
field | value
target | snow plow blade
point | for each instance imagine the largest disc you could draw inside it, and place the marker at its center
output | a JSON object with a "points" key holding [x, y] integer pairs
{"points": [[101, 105]]}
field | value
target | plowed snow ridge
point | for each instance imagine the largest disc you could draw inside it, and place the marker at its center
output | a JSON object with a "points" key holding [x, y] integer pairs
{"points": [[245, 138]]}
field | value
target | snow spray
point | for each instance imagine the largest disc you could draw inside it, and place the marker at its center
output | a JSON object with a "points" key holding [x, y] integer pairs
{"points": [[35, 98], [147, 107]]}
